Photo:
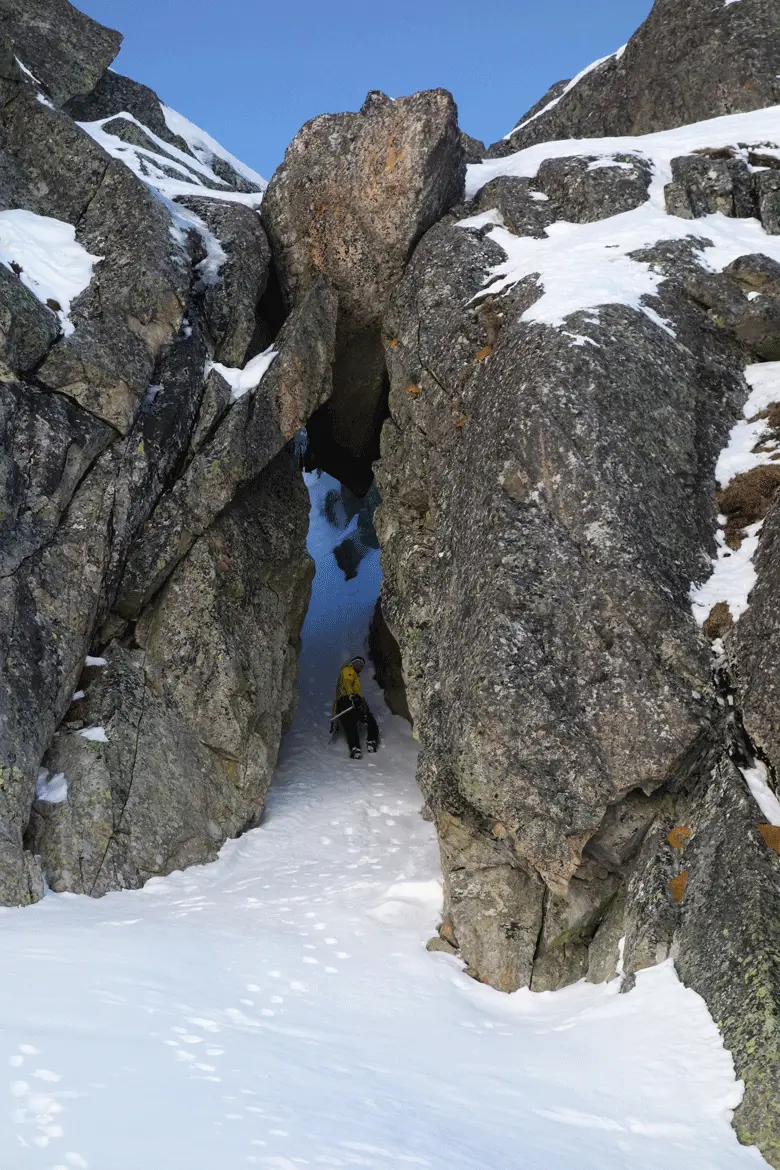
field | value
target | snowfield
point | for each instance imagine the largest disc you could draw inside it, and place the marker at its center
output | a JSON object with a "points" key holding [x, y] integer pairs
{"points": [[278, 1007], [584, 266]]}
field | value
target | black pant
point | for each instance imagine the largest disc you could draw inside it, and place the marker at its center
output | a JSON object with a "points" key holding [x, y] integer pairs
{"points": [[355, 713]]}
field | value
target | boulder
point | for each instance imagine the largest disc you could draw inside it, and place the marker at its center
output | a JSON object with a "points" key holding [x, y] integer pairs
{"points": [[353, 196], [702, 185], [584, 190], [66, 50]]}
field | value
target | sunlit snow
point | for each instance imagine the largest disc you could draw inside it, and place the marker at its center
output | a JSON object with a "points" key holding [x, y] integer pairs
{"points": [[733, 575], [278, 1008], [584, 266], [48, 259], [247, 378]]}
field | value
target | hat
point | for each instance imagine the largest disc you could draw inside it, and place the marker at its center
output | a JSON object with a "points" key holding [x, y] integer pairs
{"points": [[358, 658]]}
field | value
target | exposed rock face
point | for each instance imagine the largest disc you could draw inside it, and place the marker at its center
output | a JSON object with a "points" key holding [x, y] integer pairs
{"points": [[720, 925], [107, 415], [557, 485], [690, 60], [353, 196], [194, 711], [547, 494], [388, 667], [65, 50]]}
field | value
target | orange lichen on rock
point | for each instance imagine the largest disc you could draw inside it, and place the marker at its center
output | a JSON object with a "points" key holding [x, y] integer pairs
{"points": [[484, 353], [679, 836], [771, 834], [394, 343], [678, 885], [412, 389]]}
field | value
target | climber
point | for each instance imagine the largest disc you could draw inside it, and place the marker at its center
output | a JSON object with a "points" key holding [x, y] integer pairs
{"points": [[350, 708]]}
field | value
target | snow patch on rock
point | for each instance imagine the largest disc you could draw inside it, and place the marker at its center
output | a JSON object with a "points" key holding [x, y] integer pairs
{"points": [[241, 381], [733, 574], [582, 266], [51, 789], [47, 258], [95, 734], [206, 148]]}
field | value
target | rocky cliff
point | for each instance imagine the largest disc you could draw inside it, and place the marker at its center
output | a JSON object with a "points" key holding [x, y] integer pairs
{"points": [[151, 516], [572, 354]]}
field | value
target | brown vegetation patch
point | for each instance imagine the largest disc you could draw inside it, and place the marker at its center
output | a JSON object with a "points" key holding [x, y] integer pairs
{"points": [[768, 161], [746, 500], [678, 885], [719, 622], [484, 353], [679, 836], [772, 415], [771, 834]]}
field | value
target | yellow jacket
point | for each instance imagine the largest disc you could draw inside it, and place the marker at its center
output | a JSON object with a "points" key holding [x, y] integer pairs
{"points": [[348, 684]]}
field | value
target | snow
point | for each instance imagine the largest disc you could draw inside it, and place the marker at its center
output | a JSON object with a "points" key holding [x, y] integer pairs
{"points": [[51, 789], [241, 381], [278, 1008], [96, 734], [54, 265], [148, 164], [153, 168], [583, 266], [659, 148], [490, 218], [90, 661], [206, 148], [757, 778], [733, 575]]}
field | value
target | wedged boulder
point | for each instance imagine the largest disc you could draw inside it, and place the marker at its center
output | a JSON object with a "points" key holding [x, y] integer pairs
{"points": [[252, 433], [65, 49], [353, 196], [690, 60], [545, 503], [192, 714]]}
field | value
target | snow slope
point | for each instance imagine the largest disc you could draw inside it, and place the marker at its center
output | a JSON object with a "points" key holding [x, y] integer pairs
{"points": [[584, 266], [278, 1009]]}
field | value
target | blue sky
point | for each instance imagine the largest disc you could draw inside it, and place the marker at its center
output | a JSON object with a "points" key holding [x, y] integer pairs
{"points": [[251, 73]]}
